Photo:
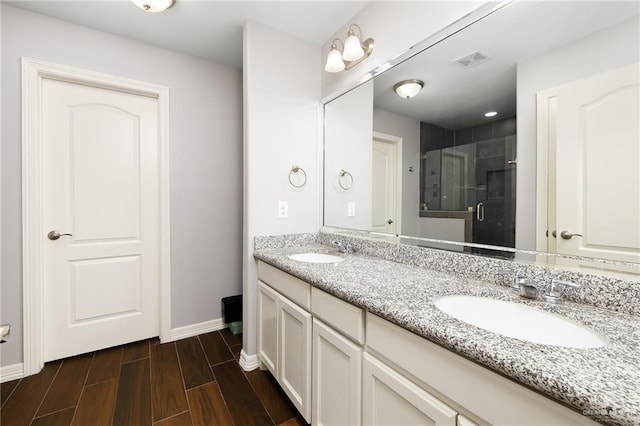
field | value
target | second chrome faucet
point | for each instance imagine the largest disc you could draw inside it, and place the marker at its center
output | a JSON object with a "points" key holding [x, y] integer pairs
{"points": [[529, 290], [344, 248]]}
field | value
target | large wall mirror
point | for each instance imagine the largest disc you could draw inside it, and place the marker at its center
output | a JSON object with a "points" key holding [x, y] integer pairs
{"points": [[525, 134]]}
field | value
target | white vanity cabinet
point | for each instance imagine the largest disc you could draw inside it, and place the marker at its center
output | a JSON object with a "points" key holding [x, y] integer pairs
{"points": [[390, 399], [312, 343], [342, 366], [338, 336], [484, 396], [284, 333]]}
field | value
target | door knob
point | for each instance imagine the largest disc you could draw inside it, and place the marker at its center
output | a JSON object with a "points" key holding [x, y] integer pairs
{"points": [[389, 221], [54, 235], [568, 235]]}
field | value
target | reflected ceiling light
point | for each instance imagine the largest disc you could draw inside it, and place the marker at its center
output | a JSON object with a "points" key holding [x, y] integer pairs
{"points": [[490, 114], [408, 88], [353, 51], [154, 5]]}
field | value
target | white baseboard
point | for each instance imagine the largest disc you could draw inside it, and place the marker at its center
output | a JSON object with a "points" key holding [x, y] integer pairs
{"points": [[195, 329], [248, 362], [11, 372]]}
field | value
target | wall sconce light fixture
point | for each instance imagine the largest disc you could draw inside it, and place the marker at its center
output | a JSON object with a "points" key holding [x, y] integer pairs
{"points": [[353, 51], [408, 88], [154, 5]]}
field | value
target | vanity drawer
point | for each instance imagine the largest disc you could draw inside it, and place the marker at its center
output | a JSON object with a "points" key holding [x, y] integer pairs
{"points": [[289, 286], [492, 397], [343, 316]]}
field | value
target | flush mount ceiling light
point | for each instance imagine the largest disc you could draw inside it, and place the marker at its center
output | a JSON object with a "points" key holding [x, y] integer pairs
{"points": [[154, 5], [353, 51], [490, 114], [408, 88]]}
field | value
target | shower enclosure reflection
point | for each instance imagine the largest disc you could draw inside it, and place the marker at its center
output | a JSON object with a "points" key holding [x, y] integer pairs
{"points": [[468, 176]]}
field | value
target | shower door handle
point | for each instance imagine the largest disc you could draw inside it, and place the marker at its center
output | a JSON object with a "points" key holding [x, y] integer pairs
{"points": [[480, 212]]}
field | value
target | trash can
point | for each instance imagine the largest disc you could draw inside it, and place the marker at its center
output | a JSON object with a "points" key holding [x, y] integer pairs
{"points": [[232, 313]]}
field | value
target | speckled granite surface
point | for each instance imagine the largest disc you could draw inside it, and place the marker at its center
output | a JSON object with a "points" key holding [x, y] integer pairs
{"points": [[616, 294], [284, 241], [603, 383]]}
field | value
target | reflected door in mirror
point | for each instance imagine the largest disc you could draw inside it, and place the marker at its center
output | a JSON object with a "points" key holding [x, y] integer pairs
{"points": [[597, 172]]}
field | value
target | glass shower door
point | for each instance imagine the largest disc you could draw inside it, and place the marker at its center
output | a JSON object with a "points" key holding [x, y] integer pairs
{"points": [[495, 192]]}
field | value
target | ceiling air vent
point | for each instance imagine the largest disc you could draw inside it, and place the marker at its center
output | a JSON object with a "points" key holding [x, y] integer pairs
{"points": [[472, 59]]}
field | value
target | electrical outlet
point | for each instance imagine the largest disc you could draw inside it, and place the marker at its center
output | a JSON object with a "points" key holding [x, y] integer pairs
{"points": [[351, 209], [283, 209]]}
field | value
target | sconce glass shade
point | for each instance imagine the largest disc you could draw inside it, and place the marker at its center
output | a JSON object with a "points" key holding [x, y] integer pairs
{"points": [[352, 48], [154, 5], [334, 60], [408, 88]]}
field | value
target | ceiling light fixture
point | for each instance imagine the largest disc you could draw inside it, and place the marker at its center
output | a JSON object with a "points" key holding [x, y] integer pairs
{"points": [[490, 114], [408, 88], [353, 51], [154, 5]]}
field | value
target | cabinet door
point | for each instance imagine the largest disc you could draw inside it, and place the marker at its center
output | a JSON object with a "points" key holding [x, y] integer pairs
{"points": [[267, 327], [391, 399], [294, 373], [337, 364]]}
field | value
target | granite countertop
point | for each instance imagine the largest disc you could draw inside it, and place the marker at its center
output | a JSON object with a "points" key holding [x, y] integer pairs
{"points": [[603, 383]]}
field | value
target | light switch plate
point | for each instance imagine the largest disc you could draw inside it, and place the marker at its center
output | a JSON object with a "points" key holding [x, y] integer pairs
{"points": [[283, 209], [351, 209]]}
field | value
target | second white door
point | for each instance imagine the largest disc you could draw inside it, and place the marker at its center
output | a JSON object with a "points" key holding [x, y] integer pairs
{"points": [[101, 186], [386, 193]]}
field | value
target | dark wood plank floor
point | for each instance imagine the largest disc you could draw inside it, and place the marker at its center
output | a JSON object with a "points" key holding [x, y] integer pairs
{"points": [[195, 381]]}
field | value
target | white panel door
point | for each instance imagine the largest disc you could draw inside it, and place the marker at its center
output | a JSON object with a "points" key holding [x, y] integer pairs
{"points": [[294, 372], [101, 185], [337, 384], [598, 124], [384, 184], [391, 399]]}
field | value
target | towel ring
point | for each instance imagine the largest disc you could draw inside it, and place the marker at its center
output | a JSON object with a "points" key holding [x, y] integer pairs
{"points": [[296, 169], [344, 173]]}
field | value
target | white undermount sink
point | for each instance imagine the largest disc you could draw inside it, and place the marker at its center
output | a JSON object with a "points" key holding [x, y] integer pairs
{"points": [[519, 321], [316, 258]]}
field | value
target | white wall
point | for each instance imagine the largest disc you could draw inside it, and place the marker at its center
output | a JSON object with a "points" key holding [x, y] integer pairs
{"points": [[281, 129], [599, 52], [409, 130], [206, 159], [349, 146], [395, 27]]}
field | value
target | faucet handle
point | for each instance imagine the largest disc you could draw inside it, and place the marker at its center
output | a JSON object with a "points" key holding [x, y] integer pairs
{"points": [[340, 246], [514, 283], [555, 294], [344, 248]]}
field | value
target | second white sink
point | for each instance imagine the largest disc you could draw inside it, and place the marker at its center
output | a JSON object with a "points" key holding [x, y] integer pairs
{"points": [[519, 321], [316, 258]]}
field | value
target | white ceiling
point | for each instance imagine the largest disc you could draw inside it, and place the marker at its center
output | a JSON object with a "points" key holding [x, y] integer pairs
{"points": [[209, 29], [456, 98]]}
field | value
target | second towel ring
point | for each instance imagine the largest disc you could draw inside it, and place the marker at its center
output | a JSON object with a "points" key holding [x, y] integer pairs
{"points": [[344, 173], [296, 169]]}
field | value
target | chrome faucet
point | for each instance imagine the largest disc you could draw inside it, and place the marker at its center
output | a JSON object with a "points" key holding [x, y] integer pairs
{"points": [[521, 284], [527, 289], [554, 295], [344, 248]]}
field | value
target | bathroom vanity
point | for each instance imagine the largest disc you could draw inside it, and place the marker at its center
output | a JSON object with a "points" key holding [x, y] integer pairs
{"points": [[361, 342]]}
